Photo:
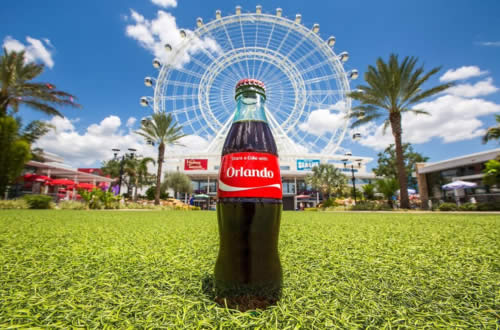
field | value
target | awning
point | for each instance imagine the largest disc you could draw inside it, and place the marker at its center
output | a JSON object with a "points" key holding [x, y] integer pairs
{"points": [[65, 172]]}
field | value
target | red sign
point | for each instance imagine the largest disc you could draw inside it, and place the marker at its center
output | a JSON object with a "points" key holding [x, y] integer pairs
{"points": [[250, 174], [195, 164]]}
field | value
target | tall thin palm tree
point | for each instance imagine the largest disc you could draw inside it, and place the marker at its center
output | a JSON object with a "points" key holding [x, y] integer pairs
{"points": [[493, 133], [16, 87], [160, 129], [393, 89]]}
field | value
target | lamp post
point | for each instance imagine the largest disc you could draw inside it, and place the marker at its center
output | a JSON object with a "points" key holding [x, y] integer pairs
{"points": [[122, 162], [353, 178]]}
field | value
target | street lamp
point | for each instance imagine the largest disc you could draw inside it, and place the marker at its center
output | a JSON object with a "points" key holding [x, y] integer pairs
{"points": [[122, 162], [353, 178]]}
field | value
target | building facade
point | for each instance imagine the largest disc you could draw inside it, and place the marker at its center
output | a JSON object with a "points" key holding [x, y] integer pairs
{"points": [[432, 176], [203, 170]]}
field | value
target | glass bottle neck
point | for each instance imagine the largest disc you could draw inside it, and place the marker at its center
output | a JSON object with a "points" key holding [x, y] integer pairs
{"points": [[250, 107]]}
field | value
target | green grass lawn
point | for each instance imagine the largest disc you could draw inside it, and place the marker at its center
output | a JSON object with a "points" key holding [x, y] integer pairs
{"points": [[154, 269]]}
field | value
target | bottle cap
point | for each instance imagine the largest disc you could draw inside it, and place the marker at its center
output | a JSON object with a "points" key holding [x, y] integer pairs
{"points": [[249, 84]]}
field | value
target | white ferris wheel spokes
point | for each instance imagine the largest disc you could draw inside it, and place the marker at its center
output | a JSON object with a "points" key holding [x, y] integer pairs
{"points": [[306, 84]]}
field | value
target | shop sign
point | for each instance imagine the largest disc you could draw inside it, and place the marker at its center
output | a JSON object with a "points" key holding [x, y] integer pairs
{"points": [[195, 164]]}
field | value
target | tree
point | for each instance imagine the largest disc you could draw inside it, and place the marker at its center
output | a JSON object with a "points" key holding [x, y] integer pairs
{"points": [[393, 89], [15, 152], [492, 172], [160, 129], [388, 188], [327, 179], [111, 167], [178, 182], [137, 171], [17, 89], [493, 133], [387, 164], [369, 191]]}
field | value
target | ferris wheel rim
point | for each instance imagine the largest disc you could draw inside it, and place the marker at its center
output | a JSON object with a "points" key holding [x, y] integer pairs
{"points": [[330, 56]]}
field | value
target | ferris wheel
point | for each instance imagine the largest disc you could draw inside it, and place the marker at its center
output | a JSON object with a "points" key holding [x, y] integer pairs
{"points": [[306, 83]]}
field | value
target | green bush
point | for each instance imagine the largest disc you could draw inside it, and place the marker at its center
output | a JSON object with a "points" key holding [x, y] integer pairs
{"points": [[468, 207], [98, 199], [311, 209], [72, 205], [448, 207], [13, 204], [39, 201], [138, 206], [488, 206], [195, 208], [370, 206], [330, 202], [150, 193]]}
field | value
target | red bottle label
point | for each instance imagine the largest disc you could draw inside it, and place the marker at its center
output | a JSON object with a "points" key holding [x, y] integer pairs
{"points": [[249, 174]]}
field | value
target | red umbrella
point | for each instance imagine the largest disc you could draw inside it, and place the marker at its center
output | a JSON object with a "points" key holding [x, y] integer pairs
{"points": [[85, 185], [61, 182], [302, 196], [35, 177]]}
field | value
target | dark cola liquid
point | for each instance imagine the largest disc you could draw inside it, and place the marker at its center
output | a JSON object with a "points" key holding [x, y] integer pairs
{"points": [[248, 263]]}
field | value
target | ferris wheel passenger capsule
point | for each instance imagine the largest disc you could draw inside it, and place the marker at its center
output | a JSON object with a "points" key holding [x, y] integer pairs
{"points": [[144, 101], [199, 22], [238, 10], [279, 12], [156, 63], [148, 81], [316, 28], [356, 136], [331, 41], [354, 74], [218, 14], [298, 18], [258, 9], [182, 33], [344, 56], [168, 47], [348, 153]]}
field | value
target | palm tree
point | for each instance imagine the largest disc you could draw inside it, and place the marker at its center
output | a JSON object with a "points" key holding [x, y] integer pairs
{"points": [[16, 87], [493, 133], [137, 171], [394, 87], [327, 179], [160, 129], [388, 187]]}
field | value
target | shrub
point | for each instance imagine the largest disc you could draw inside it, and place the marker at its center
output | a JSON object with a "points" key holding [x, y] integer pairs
{"points": [[488, 206], [13, 204], [311, 209], [98, 199], [150, 193], [195, 208], [370, 206], [468, 207], [39, 201], [330, 202], [72, 205], [448, 207], [139, 206]]}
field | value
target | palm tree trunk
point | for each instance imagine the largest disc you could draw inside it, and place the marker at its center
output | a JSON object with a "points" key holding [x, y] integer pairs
{"points": [[161, 153], [136, 184], [395, 119]]}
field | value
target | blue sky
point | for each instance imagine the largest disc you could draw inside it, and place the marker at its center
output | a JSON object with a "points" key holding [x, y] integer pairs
{"points": [[92, 57]]}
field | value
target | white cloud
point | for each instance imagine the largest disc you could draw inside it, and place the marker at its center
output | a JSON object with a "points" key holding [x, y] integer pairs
{"points": [[490, 43], [154, 34], [131, 121], [94, 145], [461, 73], [453, 118], [322, 121], [481, 88], [35, 50], [165, 3]]}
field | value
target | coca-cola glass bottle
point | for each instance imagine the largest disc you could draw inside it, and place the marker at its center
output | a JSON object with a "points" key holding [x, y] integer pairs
{"points": [[249, 202]]}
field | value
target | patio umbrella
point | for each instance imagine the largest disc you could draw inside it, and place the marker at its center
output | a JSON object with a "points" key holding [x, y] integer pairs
{"points": [[35, 177], [410, 191], [61, 182], [84, 185], [201, 196], [459, 185], [302, 196], [455, 185]]}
